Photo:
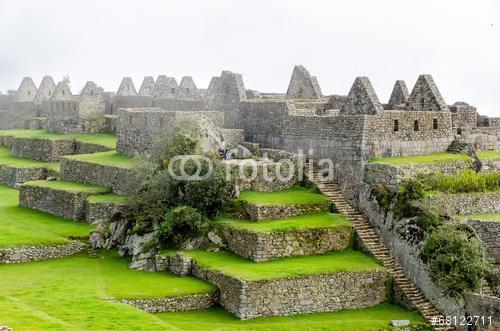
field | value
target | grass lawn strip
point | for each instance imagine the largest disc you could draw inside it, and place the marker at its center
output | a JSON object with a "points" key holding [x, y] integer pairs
{"points": [[488, 155], [233, 265], [111, 198], [434, 158], [18, 162], [111, 158], [295, 195], [104, 139], [310, 221], [73, 187], [27, 227], [480, 217]]}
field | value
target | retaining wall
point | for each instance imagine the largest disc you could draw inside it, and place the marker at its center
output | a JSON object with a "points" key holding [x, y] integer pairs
{"points": [[179, 303], [35, 253], [466, 203], [272, 212]]}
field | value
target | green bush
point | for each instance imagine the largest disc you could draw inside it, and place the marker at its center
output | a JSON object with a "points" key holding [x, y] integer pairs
{"points": [[455, 259], [410, 190], [384, 196], [180, 224], [467, 181]]}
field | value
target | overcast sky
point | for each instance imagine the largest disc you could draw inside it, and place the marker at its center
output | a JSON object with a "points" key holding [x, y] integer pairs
{"points": [[456, 41]]}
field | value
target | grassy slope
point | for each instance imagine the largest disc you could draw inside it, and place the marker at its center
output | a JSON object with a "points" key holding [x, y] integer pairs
{"points": [[373, 318], [106, 158], [231, 264], [421, 159], [71, 293], [21, 226], [108, 140], [481, 217], [68, 186], [110, 197], [488, 154], [12, 161], [294, 195], [321, 220]]}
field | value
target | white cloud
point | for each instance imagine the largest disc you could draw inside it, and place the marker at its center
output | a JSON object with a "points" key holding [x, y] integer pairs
{"points": [[456, 41]]}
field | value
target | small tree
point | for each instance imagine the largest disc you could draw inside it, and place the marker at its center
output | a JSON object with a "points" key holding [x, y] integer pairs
{"points": [[180, 224], [455, 259]]}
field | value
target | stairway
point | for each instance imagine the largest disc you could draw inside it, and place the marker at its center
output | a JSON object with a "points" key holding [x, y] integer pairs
{"points": [[370, 239]]}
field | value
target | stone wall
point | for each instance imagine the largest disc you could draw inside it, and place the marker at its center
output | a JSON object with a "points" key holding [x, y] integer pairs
{"points": [[489, 233], [233, 137], [466, 203], [265, 246], [41, 149], [484, 305], [138, 129], [295, 295], [95, 174], [179, 303], [65, 204], [101, 211], [180, 104], [35, 253], [14, 176], [272, 212]]}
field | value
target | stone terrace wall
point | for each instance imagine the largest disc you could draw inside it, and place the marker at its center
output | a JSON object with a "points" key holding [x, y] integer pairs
{"points": [[101, 211], [95, 174], [180, 104], [25, 254], [483, 139], [489, 233], [272, 212], [14, 176], [180, 303], [265, 246], [138, 129], [290, 296], [41, 149], [383, 140], [466, 203], [483, 305]]}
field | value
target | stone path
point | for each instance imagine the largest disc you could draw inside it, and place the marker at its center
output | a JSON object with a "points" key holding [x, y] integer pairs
{"points": [[370, 239]]}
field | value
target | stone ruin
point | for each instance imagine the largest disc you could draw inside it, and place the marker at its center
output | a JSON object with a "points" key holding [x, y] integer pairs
{"points": [[303, 85], [399, 95]]}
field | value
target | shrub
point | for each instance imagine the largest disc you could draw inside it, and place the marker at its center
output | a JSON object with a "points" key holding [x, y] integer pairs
{"points": [[182, 223], [455, 259], [467, 181], [410, 190], [384, 196]]}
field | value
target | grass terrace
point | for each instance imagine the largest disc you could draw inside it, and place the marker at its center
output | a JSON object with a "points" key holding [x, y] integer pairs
{"points": [[294, 195], [233, 265], [111, 158], [373, 318], [434, 158], [488, 155], [18, 162], [23, 227], [311, 221], [104, 139], [73, 294], [480, 217], [110, 197], [68, 186]]}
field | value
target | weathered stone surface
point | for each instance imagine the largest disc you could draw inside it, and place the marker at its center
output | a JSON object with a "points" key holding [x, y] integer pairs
{"points": [[126, 88], [361, 99], [399, 95], [41, 149], [66, 204], [466, 203], [14, 176], [242, 152], [272, 212], [26, 91], [147, 87], [35, 253], [265, 246], [229, 90], [484, 305], [179, 303], [187, 88], [425, 96], [101, 211], [302, 85], [489, 233]]}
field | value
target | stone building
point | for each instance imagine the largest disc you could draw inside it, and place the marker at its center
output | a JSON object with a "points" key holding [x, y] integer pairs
{"points": [[303, 85]]}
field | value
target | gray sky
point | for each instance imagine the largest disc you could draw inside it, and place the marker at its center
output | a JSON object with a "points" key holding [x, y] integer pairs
{"points": [[456, 41]]}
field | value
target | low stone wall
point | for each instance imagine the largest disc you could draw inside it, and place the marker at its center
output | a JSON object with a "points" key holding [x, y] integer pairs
{"points": [[265, 246], [41, 149], [87, 148], [35, 253], [65, 204], [484, 305], [95, 174], [14, 176], [466, 203], [290, 296], [392, 176], [232, 137], [489, 233], [101, 211], [180, 303], [271, 212], [35, 123]]}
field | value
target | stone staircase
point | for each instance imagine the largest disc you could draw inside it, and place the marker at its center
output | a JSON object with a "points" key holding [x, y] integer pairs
{"points": [[370, 240]]}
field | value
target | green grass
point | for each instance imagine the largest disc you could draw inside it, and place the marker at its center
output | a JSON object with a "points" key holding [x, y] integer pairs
{"points": [[18, 162], [68, 186], [311, 221], [22, 226], [108, 140], [421, 159], [110, 197], [488, 155], [373, 318], [106, 158], [481, 217], [294, 195], [233, 265], [72, 293]]}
